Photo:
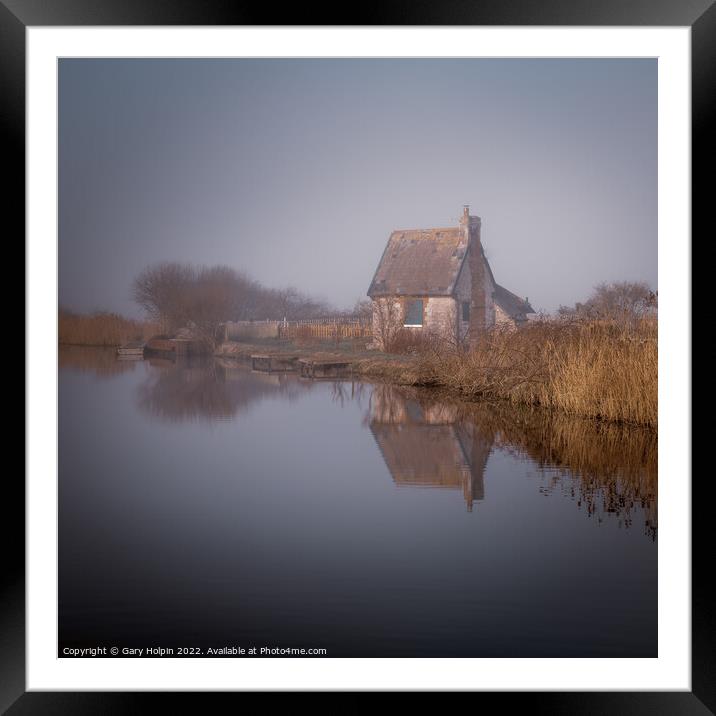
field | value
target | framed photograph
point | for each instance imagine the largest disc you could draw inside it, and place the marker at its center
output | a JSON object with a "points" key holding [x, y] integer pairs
{"points": [[358, 354]]}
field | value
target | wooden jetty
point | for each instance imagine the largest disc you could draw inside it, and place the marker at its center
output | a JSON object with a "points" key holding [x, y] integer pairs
{"points": [[133, 350], [311, 368], [305, 367], [173, 347], [274, 363]]}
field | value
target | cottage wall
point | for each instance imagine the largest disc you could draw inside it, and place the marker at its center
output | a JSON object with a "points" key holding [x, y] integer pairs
{"points": [[389, 405], [477, 284], [491, 306], [503, 319], [481, 300], [387, 308], [441, 316], [463, 294], [478, 275], [387, 319]]}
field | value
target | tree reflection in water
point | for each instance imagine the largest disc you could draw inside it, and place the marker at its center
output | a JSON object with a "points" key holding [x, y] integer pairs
{"points": [[209, 389]]}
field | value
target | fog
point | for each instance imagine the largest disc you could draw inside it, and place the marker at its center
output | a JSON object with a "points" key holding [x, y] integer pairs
{"points": [[296, 171]]}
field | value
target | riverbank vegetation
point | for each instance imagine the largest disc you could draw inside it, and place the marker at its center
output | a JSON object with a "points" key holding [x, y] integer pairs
{"points": [[597, 359], [101, 329], [595, 368]]}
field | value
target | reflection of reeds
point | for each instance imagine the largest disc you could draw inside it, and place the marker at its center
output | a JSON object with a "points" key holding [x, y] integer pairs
{"points": [[100, 361], [101, 329], [342, 391], [592, 368], [605, 467]]}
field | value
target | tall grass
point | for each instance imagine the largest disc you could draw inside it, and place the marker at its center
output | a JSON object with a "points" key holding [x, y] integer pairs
{"points": [[408, 341], [593, 368], [101, 329]]}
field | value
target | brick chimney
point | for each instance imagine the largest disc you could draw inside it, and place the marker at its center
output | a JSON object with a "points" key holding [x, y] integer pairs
{"points": [[476, 264]]}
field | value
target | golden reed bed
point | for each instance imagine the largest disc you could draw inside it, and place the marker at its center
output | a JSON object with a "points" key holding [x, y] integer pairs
{"points": [[599, 369], [101, 329]]}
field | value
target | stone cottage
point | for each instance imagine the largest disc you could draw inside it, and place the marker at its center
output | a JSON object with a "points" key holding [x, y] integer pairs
{"points": [[439, 280]]}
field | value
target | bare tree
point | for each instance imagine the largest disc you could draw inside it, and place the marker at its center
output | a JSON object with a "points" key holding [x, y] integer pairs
{"points": [[180, 295], [202, 298], [287, 300], [248, 299], [387, 321], [162, 291], [621, 301], [213, 298], [289, 303], [363, 309]]}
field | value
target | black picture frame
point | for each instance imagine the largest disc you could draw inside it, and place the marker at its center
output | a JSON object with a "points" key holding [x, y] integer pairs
{"points": [[16, 15]]}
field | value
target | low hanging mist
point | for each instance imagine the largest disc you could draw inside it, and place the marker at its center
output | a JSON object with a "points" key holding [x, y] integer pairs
{"points": [[296, 171]]}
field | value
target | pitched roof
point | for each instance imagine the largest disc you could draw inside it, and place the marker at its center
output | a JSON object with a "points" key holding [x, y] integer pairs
{"points": [[423, 262], [427, 262], [510, 303]]}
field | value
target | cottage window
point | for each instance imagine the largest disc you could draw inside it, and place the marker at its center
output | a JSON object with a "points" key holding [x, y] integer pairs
{"points": [[466, 311], [414, 313]]}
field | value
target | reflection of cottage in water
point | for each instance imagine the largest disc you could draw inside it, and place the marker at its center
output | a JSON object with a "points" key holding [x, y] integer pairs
{"points": [[424, 446]]}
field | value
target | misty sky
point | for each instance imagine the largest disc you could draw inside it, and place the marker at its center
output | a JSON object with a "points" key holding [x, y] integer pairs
{"points": [[296, 171]]}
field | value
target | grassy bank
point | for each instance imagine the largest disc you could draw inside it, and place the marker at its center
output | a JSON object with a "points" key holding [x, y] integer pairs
{"points": [[101, 329], [595, 369]]}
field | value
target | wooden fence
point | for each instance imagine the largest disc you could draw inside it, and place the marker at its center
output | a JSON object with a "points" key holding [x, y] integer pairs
{"points": [[334, 328], [325, 328], [250, 330]]}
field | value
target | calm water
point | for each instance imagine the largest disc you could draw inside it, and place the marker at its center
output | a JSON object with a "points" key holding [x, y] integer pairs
{"points": [[203, 505]]}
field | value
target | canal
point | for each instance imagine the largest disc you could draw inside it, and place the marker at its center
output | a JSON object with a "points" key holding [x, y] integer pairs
{"points": [[205, 505]]}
